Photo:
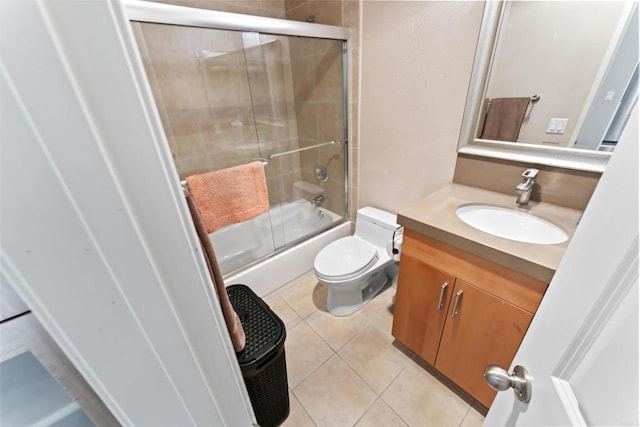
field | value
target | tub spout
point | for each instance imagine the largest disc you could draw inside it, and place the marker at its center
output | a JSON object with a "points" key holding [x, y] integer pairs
{"points": [[317, 201]]}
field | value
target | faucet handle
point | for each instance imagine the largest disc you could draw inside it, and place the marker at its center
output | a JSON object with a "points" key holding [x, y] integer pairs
{"points": [[530, 173]]}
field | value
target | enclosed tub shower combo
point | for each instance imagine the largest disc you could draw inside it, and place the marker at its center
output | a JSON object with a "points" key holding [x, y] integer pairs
{"points": [[232, 89]]}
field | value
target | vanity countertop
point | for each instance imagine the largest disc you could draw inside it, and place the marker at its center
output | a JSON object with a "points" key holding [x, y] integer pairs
{"points": [[435, 217]]}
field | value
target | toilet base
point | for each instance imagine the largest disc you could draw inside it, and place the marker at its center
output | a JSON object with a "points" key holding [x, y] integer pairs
{"points": [[342, 302]]}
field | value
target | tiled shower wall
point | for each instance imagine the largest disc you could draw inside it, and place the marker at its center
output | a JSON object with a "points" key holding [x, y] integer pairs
{"points": [[345, 13], [319, 104], [315, 116], [223, 104]]}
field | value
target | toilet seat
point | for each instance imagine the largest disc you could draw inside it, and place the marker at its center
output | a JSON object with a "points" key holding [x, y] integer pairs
{"points": [[345, 259]]}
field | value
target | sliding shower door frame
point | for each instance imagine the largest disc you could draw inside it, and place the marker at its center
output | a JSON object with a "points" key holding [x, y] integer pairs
{"points": [[160, 13]]}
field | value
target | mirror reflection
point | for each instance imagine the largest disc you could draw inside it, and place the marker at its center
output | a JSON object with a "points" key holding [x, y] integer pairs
{"points": [[563, 74]]}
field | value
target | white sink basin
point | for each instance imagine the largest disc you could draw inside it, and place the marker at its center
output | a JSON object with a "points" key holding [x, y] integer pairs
{"points": [[511, 224]]}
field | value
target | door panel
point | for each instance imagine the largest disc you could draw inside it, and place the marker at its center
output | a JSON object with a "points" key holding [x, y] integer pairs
{"points": [[487, 330], [419, 321]]}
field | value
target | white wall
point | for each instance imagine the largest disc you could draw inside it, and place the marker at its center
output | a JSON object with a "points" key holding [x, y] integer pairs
{"points": [[416, 61], [617, 81]]}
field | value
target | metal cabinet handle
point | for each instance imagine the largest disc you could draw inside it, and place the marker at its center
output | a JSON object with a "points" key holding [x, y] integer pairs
{"points": [[442, 290], [454, 312]]}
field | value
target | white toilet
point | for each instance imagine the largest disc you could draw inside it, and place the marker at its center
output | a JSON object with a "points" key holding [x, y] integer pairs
{"points": [[353, 268]]}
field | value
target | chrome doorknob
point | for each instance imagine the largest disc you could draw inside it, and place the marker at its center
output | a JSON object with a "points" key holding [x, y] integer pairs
{"points": [[519, 380]]}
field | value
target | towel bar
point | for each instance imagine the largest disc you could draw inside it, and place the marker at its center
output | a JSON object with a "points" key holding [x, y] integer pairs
{"points": [[297, 150], [265, 162]]}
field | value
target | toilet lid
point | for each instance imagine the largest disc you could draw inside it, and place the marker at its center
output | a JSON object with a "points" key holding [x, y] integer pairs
{"points": [[345, 257]]}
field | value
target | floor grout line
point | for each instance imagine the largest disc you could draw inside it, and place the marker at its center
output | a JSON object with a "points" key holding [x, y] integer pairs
{"points": [[465, 416], [319, 366], [375, 317], [303, 408]]}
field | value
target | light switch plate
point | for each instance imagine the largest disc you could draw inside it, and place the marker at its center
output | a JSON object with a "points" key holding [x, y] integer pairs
{"points": [[557, 126]]}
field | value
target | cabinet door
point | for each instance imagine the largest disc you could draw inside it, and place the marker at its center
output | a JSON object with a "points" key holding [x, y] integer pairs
{"points": [[486, 330], [421, 305]]}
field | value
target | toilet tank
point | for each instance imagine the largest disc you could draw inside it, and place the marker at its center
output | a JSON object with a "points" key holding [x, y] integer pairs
{"points": [[375, 226]]}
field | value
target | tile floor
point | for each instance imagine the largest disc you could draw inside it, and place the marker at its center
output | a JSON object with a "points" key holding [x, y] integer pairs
{"points": [[346, 371]]}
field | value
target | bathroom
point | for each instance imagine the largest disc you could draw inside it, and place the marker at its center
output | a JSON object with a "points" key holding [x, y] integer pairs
{"points": [[409, 152]]}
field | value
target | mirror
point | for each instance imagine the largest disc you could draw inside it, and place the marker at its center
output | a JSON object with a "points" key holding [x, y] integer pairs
{"points": [[553, 82]]}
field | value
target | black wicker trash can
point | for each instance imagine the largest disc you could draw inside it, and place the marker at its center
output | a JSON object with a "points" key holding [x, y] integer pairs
{"points": [[262, 361]]}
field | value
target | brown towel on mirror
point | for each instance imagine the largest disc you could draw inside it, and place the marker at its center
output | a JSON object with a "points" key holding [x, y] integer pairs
{"points": [[236, 332], [504, 118]]}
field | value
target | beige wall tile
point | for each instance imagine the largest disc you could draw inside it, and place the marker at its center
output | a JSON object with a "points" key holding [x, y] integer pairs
{"points": [[285, 183], [334, 197], [160, 39], [272, 8], [563, 187], [175, 92], [226, 159], [332, 158], [306, 113], [328, 76], [324, 46], [353, 163], [354, 123], [275, 190], [328, 12], [191, 166], [184, 79], [351, 13], [285, 165], [330, 121], [302, 69], [186, 133], [220, 92], [299, 13], [290, 4]]}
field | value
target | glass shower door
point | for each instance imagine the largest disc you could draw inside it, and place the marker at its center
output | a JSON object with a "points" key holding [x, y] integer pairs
{"points": [[228, 98], [299, 105]]}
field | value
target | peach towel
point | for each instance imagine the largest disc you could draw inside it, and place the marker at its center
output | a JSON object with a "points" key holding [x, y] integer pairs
{"points": [[229, 195], [234, 326]]}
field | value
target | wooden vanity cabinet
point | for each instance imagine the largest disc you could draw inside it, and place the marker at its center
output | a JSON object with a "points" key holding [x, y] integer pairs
{"points": [[494, 309], [423, 309]]}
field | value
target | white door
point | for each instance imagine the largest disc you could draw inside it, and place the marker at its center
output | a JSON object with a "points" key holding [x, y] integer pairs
{"points": [[582, 346], [95, 235]]}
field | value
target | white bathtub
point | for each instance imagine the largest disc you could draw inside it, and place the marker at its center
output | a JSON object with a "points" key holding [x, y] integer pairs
{"points": [[240, 244]]}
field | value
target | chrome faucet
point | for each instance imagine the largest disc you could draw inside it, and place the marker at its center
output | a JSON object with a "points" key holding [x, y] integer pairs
{"points": [[526, 186], [317, 201]]}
